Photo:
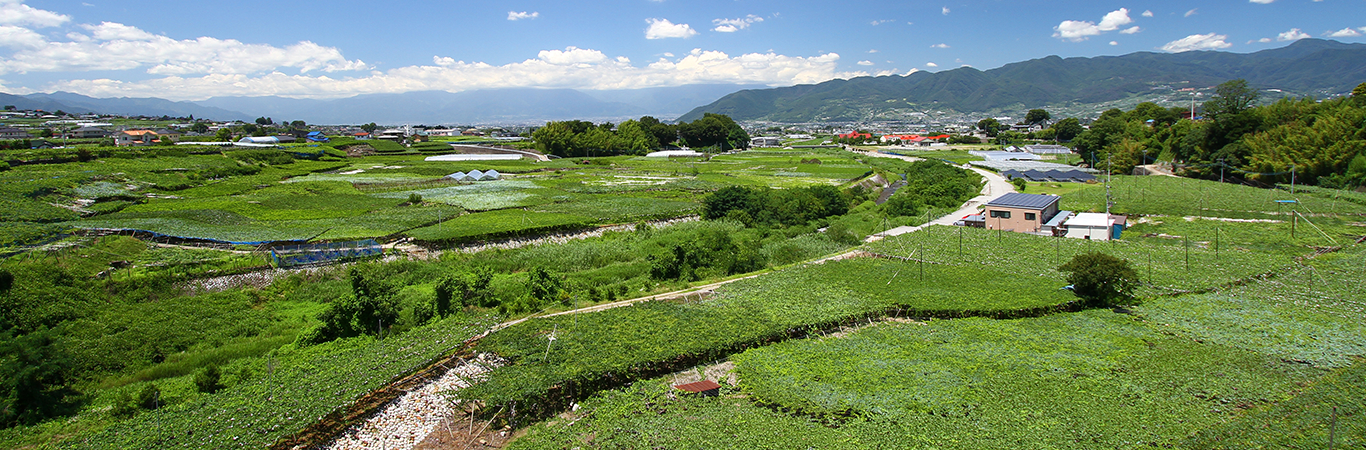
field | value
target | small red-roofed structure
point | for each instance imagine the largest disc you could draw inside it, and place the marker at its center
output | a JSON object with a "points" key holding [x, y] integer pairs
{"points": [[707, 388]]}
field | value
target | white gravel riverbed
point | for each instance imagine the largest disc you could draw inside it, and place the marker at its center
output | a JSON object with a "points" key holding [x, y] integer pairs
{"points": [[406, 421]]}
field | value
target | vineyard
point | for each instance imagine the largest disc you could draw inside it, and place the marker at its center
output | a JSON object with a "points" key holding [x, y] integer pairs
{"points": [[285, 392]]}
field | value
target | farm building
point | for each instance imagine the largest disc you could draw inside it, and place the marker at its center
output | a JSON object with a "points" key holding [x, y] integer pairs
{"points": [[765, 141], [1047, 149], [89, 133], [1095, 226], [706, 388], [1023, 213]]}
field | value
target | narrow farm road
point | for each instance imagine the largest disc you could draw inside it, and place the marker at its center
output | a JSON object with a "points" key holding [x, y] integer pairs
{"points": [[996, 186]]}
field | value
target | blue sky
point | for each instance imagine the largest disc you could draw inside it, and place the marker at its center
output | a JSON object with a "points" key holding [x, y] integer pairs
{"points": [[191, 50]]}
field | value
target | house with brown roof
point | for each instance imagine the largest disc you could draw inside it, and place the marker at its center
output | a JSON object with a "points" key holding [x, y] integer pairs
{"points": [[135, 137]]}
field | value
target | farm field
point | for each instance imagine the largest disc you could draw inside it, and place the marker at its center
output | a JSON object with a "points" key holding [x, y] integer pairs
{"points": [[942, 338], [1217, 355]]}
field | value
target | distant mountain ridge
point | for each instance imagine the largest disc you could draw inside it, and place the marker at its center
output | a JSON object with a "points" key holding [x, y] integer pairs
{"points": [[1308, 66], [152, 107], [503, 106]]}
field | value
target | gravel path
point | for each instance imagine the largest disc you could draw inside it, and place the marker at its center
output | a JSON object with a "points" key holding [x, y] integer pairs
{"points": [[406, 421]]}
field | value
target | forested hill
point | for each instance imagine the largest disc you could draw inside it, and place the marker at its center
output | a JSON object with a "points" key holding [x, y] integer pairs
{"points": [[1307, 67]]}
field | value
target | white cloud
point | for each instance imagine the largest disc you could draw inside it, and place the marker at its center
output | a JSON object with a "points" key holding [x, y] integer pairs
{"points": [[514, 15], [940, 45], [733, 25], [865, 63], [1147, 13], [1130, 30], [1191, 12], [572, 55], [663, 29], [569, 68], [114, 46], [1261, 2], [1114, 43], [20, 37], [1197, 42], [872, 51], [1078, 30], [945, 10], [930, 64], [1292, 35], [1345, 32], [880, 22], [110, 31], [1262, 40], [883, 73], [15, 12]]}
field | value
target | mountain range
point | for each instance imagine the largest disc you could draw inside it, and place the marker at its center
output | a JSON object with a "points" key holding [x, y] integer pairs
{"points": [[1316, 67], [488, 106], [1306, 67]]}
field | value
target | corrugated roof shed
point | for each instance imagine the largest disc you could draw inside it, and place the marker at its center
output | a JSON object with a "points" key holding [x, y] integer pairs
{"points": [[706, 387], [1017, 200]]}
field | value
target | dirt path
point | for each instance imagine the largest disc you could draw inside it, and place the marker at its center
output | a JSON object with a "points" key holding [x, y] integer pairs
{"points": [[996, 186]]}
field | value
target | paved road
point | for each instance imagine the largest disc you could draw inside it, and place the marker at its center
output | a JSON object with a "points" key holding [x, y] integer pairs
{"points": [[996, 186]]}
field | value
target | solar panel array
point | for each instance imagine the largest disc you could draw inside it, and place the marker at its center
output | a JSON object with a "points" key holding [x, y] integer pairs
{"points": [[1066, 176]]}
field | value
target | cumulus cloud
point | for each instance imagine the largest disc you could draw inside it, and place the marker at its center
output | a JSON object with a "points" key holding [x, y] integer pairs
{"points": [[865, 63], [1293, 35], [733, 25], [115, 46], [1191, 12], [945, 11], [1130, 30], [20, 38], [664, 29], [15, 12], [872, 51], [940, 45], [1345, 32], [1114, 43], [1262, 40], [1147, 13], [883, 73], [515, 15], [930, 64], [1197, 42], [1261, 2], [571, 67], [1079, 30], [880, 22]]}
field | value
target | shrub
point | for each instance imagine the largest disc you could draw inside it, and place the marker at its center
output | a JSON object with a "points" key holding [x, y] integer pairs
{"points": [[414, 199], [1101, 279], [207, 379], [1019, 183]]}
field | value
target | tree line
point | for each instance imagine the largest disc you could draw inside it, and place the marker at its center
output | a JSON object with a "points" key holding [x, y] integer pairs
{"points": [[577, 138]]}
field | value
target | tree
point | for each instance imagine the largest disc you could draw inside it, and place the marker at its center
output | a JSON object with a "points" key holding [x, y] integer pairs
{"points": [[369, 127], [1100, 279], [664, 133], [1230, 98], [990, 126], [199, 127], [298, 124], [1358, 95], [263, 121], [1067, 129], [223, 134], [1036, 116]]}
